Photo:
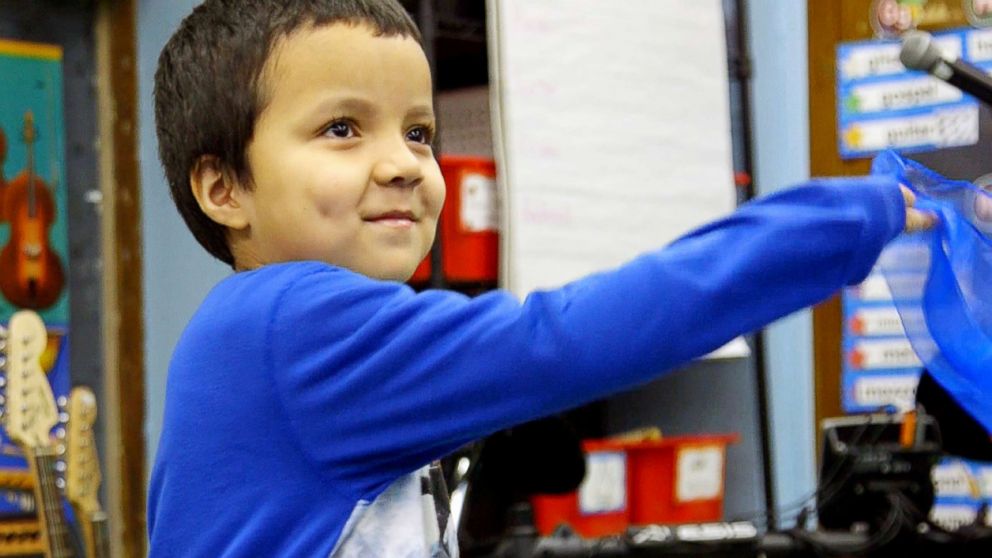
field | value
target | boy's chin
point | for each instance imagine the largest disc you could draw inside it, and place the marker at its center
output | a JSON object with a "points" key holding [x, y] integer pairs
{"points": [[400, 274]]}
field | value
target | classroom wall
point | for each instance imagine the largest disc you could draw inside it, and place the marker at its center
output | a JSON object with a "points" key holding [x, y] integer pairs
{"points": [[178, 273]]}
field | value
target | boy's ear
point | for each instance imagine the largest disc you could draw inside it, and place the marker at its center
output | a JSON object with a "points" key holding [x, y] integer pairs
{"points": [[218, 193]]}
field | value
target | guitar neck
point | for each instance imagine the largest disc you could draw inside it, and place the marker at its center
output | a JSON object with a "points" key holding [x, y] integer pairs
{"points": [[55, 529], [101, 535], [95, 533]]}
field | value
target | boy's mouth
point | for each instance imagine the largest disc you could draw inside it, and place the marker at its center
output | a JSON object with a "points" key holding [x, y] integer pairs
{"points": [[396, 218]]}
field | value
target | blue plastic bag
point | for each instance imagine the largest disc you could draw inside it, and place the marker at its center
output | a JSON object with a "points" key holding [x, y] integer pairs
{"points": [[949, 323]]}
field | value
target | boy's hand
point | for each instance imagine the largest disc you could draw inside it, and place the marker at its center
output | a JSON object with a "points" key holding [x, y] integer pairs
{"points": [[916, 220]]}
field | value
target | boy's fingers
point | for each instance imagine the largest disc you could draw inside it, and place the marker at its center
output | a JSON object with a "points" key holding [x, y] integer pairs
{"points": [[917, 220], [908, 196]]}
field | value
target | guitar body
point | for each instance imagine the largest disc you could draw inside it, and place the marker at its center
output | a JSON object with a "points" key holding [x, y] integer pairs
{"points": [[31, 275]]}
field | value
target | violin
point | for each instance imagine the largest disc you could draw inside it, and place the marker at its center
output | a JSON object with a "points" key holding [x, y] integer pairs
{"points": [[31, 274]]}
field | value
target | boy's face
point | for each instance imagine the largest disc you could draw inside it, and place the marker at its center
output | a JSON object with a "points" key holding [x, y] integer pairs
{"points": [[341, 163]]}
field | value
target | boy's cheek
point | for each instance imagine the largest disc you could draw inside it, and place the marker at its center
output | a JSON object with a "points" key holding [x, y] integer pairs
{"points": [[442, 197], [437, 197]]}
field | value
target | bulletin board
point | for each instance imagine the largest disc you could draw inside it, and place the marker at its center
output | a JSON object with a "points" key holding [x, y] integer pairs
{"points": [[862, 101]]}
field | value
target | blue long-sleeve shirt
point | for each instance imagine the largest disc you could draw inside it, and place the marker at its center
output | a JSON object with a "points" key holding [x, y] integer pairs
{"points": [[303, 398]]}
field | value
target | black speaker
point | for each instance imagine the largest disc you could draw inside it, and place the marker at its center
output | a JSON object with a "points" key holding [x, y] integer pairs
{"points": [[871, 461]]}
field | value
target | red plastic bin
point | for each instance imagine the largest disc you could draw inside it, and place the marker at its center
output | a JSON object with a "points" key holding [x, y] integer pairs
{"points": [[675, 479], [469, 221]]}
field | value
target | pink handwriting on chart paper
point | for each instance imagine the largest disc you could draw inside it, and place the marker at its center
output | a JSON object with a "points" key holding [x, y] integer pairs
{"points": [[526, 18], [537, 88], [543, 213], [546, 151]]}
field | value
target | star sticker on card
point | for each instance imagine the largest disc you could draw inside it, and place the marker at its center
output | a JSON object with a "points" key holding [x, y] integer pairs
{"points": [[853, 137]]}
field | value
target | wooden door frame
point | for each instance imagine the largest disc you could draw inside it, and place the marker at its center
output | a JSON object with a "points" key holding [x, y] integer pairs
{"points": [[123, 318], [830, 22]]}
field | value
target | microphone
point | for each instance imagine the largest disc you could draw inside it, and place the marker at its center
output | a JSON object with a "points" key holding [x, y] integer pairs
{"points": [[920, 53]]}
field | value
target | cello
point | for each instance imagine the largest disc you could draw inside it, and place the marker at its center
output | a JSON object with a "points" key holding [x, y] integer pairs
{"points": [[30, 272]]}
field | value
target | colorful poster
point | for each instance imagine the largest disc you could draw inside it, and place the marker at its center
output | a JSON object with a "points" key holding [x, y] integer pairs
{"points": [[33, 216], [882, 105]]}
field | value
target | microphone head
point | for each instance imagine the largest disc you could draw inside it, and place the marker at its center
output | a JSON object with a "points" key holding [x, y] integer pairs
{"points": [[919, 51]]}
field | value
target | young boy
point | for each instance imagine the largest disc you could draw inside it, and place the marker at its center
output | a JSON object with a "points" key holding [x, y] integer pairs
{"points": [[312, 389]]}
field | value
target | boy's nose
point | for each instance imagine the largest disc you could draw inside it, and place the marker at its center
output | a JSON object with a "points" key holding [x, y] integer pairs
{"points": [[398, 166]]}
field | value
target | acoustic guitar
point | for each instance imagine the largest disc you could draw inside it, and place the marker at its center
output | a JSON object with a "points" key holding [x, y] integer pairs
{"points": [[30, 416], [82, 473], [30, 272]]}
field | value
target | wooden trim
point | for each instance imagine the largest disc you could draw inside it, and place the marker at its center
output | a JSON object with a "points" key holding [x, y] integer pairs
{"points": [[830, 22], [123, 318], [824, 30]]}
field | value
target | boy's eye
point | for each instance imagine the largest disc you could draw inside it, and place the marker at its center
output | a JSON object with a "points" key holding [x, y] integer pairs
{"points": [[340, 129], [420, 134]]}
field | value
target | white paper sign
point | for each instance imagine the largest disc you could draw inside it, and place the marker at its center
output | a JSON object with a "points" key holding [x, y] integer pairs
{"points": [[889, 389], [604, 488], [985, 481], [479, 210], [699, 473], [953, 516], [953, 479]]}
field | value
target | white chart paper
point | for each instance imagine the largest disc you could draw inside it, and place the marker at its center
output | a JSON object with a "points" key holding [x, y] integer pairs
{"points": [[612, 131]]}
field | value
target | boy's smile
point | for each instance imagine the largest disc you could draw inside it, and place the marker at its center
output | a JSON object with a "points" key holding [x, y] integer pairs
{"points": [[341, 165]]}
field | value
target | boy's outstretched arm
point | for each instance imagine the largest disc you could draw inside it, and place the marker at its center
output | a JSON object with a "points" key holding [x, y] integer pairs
{"points": [[378, 380]]}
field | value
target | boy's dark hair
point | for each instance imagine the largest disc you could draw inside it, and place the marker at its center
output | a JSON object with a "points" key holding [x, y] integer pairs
{"points": [[208, 87]]}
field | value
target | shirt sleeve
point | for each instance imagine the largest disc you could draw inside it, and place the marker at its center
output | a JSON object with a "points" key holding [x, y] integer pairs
{"points": [[377, 379]]}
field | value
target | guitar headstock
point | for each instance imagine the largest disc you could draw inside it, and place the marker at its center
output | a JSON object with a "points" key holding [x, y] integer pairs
{"points": [[31, 411], [82, 471]]}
